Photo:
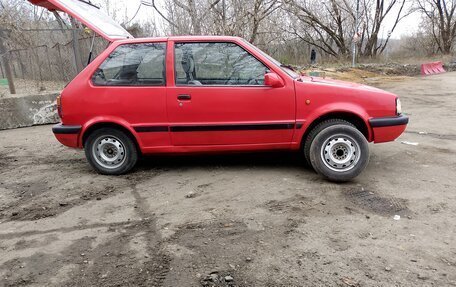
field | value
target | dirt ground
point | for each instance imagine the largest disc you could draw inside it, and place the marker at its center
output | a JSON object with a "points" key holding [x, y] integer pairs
{"points": [[244, 220]]}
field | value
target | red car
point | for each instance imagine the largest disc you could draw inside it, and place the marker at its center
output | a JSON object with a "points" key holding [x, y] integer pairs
{"points": [[197, 94]]}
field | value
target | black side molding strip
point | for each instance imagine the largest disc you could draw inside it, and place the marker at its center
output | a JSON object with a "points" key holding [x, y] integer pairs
{"points": [[66, 130], [244, 127], [388, 122], [151, 129]]}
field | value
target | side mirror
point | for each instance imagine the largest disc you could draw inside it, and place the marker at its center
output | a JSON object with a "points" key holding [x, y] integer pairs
{"points": [[273, 80]]}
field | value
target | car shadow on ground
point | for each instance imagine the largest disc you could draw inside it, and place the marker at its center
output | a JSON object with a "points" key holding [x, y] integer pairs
{"points": [[245, 160]]}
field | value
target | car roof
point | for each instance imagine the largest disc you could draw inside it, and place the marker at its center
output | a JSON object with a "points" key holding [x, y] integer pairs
{"points": [[203, 38], [179, 38]]}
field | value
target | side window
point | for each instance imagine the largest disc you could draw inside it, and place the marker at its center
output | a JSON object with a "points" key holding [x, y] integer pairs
{"points": [[133, 65], [216, 64]]}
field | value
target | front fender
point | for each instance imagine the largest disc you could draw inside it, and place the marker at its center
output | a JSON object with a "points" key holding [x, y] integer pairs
{"points": [[332, 108]]}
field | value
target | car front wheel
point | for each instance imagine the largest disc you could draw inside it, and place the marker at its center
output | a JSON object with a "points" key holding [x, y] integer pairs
{"points": [[110, 151], [339, 151]]}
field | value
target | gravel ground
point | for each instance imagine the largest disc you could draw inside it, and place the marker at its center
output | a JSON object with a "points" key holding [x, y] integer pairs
{"points": [[238, 220]]}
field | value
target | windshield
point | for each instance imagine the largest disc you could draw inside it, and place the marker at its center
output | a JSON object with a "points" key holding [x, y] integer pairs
{"points": [[287, 70]]}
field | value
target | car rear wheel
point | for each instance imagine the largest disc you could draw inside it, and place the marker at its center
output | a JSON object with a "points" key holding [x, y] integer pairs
{"points": [[110, 151], [338, 151]]}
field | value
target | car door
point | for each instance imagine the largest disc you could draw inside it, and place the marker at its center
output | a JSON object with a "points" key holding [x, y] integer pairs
{"points": [[218, 97], [130, 85]]}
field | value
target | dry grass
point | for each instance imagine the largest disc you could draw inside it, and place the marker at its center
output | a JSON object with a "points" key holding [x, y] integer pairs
{"points": [[356, 75]]}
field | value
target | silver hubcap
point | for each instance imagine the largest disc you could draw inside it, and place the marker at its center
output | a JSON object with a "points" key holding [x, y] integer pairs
{"points": [[109, 152], [340, 153]]}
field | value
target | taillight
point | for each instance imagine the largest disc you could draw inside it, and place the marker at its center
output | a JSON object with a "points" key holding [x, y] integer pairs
{"points": [[59, 106]]}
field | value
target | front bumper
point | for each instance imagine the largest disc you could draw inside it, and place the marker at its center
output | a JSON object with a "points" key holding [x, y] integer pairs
{"points": [[67, 135], [389, 128]]}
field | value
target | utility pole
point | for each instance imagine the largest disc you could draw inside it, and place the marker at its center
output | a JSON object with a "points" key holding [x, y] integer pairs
{"points": [[355, 35], [4, 61]]}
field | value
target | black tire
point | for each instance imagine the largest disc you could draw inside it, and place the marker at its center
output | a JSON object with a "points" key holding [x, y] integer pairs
{"points": [[313, 133], [110, 151], [338, 150]]}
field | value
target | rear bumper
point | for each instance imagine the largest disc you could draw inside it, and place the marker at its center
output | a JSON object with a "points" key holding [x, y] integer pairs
{"points": [[67, 135], [388, 129]]}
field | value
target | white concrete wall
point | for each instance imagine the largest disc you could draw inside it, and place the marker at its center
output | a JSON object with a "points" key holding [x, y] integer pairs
{"points": [[28, 111]]}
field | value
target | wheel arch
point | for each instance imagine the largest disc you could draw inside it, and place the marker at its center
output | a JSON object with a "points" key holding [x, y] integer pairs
{"points": [[87, 130], [348, 116]]}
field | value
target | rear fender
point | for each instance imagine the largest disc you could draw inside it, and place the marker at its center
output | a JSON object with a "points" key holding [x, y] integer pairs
{"points": [[107, 120]]}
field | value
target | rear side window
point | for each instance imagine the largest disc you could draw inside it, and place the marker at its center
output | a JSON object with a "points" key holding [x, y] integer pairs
{"points": [[216, 63], [133, 65]]}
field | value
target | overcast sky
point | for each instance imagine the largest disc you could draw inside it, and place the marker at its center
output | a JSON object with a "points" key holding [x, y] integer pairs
{"points": [[126, 9]]}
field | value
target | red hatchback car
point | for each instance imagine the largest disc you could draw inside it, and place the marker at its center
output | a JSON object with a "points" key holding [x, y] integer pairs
{"points": [[197, 94]]}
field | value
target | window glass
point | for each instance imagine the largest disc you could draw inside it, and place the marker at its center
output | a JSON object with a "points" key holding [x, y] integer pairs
{"points": [[133, 65], [285, 68], [93, 17], [216, 64]]}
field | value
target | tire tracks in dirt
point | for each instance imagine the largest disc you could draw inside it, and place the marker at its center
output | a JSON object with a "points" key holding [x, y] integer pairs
{"points": [[160, 261], [434, 135]]}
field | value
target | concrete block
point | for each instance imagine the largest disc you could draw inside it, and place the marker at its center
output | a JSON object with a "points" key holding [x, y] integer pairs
{"points": [[25, 111]]}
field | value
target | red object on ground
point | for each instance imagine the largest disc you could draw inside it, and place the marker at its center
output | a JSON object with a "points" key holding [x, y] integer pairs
{"points": [[432, 68]]}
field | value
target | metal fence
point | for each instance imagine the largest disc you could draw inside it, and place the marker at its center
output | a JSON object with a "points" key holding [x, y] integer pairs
{"points": [[48, 63], [50, 66]]}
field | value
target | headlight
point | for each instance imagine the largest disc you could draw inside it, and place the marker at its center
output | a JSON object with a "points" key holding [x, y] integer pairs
{"points": [[398, 106]]}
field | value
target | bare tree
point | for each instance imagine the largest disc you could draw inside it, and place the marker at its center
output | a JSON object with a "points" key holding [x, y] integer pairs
{"points": [[288, 29], [330, 25], [186, 16], [247, 19], [374, 16], [326, 25], [261, 10], [440, 15]]}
